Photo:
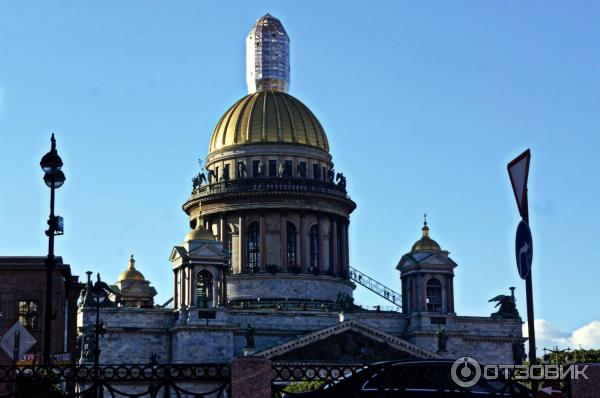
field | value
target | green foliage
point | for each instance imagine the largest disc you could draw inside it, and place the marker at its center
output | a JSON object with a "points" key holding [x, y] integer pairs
{"points": [[303, 386], [575, 356]]}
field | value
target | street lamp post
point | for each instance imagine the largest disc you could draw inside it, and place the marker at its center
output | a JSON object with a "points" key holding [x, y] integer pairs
{"points": [[99, 293], [54, 178]]}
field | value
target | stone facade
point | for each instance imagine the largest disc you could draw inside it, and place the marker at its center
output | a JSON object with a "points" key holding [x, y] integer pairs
{"points": [[135, 334]]}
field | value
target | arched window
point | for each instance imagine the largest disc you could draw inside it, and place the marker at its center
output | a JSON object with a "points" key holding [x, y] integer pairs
{"points": [[314, 246], [291, 245], [434, 295], [253, 247], [204, 288]]}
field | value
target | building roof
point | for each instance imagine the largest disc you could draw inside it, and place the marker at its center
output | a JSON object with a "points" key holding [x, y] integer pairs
{"points": [[268, 117]]}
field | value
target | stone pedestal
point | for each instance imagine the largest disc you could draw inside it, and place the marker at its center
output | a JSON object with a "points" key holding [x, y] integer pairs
{"points": [[250, 377], [590, 388]]}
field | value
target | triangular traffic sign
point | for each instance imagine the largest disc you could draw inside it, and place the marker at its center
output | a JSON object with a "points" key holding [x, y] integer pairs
{"points": [[518, 171]]}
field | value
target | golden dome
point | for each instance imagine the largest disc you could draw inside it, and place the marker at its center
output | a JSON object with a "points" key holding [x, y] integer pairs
{"points": [[426, 243], [268, 117], [199, 233], [131, 274]]}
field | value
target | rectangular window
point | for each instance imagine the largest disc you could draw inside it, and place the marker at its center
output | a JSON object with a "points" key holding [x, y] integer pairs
{"points": [[289, 165], [302, 169], [272, 168], [316, 171], [216, 173], [28, 314], [324, 174], [226, 172], [255, 168]]}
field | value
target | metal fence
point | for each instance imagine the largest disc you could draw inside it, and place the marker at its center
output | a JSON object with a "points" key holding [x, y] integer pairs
{"points": [[131, 381]]}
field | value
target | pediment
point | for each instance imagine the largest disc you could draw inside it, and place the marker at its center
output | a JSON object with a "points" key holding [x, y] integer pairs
{"points": [[141, 288], [347, 342], [425, 258], [206, 250], [177, 252]]}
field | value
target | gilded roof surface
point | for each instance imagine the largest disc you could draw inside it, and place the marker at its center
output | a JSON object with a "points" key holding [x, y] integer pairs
{"points": [[199, 233], [268, 117], [131, 274], [425, 243]]}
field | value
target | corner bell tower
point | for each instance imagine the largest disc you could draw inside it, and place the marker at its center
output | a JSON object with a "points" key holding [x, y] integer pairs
{"points": [[427, 278]]}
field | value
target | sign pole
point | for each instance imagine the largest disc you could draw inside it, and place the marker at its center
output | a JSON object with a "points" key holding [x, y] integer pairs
{"points": [[16, 350], [518, 171], [529, 295]]}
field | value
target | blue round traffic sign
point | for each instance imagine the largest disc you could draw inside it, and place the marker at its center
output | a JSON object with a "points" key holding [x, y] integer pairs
{"points": [[524, 249]]}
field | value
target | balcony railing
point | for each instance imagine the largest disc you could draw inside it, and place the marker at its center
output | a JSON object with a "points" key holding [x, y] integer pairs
{"points": [[243, 185]]}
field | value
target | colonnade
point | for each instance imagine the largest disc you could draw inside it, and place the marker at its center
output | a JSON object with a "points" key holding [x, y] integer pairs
{"points": [[332, 240]]}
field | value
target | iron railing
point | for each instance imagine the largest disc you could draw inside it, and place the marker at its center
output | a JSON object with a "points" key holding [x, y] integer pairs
{"points": [[243, 185], [376, 287], [132, 381]]}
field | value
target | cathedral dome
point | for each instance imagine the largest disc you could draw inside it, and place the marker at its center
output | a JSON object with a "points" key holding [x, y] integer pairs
{"points": [[268, 117], [426, 243], [131, 274]]}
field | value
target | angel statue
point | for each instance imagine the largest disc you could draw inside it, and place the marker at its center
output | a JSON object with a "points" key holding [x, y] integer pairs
{"points": [[508, 307], [212, 176], [198, 180], [341, 180]]}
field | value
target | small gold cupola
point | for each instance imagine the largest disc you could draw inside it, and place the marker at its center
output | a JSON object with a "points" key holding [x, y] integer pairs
{"points": [[200, 233], [426, 243], [131, 274]]}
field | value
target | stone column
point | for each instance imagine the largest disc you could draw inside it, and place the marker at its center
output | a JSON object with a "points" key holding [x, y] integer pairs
{"points": [[321, 245], [283, 241], [423, 295], [418, 293], [344, 251], [242, 243], [190, 288], [451, 293], [215, 290], [251, 377], [221, 236], [335, 267], [303, 263], [182, 285], [175, 290], [263, 242], [224, 287]]}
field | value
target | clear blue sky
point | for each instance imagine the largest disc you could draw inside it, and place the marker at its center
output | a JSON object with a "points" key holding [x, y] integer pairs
{"points": [[424, 103]]}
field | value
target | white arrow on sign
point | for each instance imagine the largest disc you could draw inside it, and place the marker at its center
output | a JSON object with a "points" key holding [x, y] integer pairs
{"points": [[26, 340]]}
